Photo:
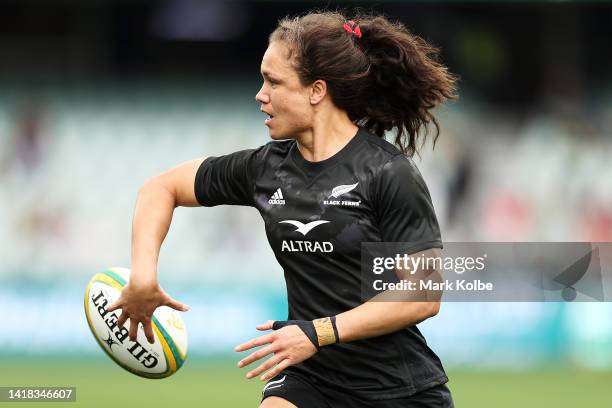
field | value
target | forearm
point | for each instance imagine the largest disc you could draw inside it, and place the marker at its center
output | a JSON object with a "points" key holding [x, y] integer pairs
{"points": [[376, 318], [152, 218]]}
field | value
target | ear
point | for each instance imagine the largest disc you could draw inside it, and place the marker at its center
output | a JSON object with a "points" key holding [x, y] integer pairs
{"points": [[318, 90]]}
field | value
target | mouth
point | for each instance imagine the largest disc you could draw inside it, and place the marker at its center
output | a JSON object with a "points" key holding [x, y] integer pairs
{"points": [[269, 119]]}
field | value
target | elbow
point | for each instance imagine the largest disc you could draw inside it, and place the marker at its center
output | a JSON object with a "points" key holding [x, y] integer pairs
{"points": [[150, 187], [421, 312], [150, 184], [156, 189], [430, 309], [434, 309]]}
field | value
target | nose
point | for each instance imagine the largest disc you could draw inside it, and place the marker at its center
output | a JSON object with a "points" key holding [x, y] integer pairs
{"points": [[262, 96]]}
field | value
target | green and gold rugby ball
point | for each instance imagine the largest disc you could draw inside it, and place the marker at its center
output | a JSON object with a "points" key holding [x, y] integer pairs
{"points": [[158, 360]]}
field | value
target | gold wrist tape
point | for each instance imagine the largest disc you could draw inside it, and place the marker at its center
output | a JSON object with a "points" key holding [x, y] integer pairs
{"points": [[325, 331]]}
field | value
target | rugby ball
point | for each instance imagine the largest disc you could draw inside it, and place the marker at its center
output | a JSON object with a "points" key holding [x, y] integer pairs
{"points": [[158, 360]]}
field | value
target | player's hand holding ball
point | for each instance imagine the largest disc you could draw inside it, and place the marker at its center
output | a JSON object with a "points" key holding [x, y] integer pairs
{"points": [[159, 348], [138, 301]]}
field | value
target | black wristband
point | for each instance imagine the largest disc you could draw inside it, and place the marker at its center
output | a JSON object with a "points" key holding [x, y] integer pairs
{"points": [[307, 327]]}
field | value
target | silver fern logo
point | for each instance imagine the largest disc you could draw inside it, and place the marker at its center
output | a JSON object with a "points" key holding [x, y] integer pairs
{"points": [[343, 189], [340, 190]]}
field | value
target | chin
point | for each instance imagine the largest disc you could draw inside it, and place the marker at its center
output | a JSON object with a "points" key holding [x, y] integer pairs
{"points": [[275, 135]]}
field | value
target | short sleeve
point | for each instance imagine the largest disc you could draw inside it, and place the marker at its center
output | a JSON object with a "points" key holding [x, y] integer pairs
{"points": [[404, 208], [226, 179]]}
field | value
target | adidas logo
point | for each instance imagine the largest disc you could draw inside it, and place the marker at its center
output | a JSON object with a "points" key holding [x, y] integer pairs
{"points": [[277, 198]]}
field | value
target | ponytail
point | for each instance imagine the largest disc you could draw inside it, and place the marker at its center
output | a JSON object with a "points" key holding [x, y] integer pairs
{"points": [[385, 79], [405, 83]]}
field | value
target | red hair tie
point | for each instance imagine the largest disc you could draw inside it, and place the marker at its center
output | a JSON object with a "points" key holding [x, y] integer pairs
{"points": [[352, 28]]}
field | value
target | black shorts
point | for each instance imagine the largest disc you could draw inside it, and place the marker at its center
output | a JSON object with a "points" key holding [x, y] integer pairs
{"points": [[303, 394]]}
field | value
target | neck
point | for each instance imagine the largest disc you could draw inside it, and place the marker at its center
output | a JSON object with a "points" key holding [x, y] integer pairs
{"points": [[329, 134]]}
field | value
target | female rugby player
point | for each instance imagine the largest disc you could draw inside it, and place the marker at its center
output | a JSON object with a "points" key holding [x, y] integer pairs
{"points": [[326, 183]]}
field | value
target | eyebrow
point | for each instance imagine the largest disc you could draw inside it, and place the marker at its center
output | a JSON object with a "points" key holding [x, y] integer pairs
{"points": [[266, 74]]}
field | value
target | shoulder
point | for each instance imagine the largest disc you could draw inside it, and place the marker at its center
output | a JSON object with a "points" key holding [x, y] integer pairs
{"points": [[386, 159], [393, 174], [249, 160], [278, 146], [378, 152], [274, 150], [380, 145]]}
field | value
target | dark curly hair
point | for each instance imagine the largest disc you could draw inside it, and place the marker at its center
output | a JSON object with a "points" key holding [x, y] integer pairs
{"points": [[387, 79]]}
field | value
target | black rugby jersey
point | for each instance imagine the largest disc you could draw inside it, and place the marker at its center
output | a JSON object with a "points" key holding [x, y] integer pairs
{"points": [[316, 216]]}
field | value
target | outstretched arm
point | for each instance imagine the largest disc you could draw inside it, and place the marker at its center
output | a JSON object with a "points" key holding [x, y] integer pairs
{"points": [[155, 205]]}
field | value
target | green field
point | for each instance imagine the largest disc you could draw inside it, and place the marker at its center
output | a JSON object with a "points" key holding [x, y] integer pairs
{"points": [[202, 383]]}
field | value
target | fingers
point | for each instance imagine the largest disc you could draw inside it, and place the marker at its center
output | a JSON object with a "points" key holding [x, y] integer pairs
{"points": [[269, 363], [116, 305], [146, 323], [255, 356], [139, 308], [276, 370], [265, 326], [122, 319], [148, 330], [259, 341], [133, 328], [176, 305]]}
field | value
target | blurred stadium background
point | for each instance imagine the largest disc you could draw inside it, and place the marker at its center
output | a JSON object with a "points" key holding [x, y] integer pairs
{"points": [[97, 96]]}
